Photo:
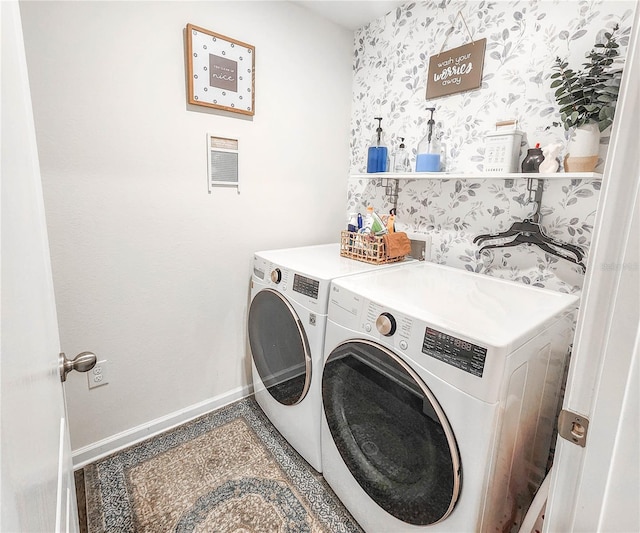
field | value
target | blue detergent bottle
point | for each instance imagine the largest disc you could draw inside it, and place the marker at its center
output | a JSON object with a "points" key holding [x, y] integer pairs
{"points": [[377, 154], [428, 158]]}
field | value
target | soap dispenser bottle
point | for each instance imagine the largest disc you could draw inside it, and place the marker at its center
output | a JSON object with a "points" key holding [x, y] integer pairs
{"points": [[428, 158], [377, 154], [401, 159], [441, 146]]}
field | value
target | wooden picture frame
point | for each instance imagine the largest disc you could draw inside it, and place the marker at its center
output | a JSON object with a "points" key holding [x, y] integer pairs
{"points": [[220, 71]]}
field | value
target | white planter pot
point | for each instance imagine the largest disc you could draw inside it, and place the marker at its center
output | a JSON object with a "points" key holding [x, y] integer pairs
{"points": [[584, 141], [583, 149]]}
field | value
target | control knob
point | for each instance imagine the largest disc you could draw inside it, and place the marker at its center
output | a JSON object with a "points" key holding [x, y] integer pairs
{"points": [[386, 324], [276, 275]]}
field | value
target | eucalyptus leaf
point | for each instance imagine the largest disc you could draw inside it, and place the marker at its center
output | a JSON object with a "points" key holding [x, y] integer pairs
{"points": [[589, 94], [578, 34], [584, 193]]}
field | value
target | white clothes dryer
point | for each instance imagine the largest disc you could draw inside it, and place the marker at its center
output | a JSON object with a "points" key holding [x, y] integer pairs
{"points": [[286, 323], [440, 390]]}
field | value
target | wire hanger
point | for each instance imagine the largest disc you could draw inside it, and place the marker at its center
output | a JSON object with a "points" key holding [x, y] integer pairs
{"points": [[529, 231]]}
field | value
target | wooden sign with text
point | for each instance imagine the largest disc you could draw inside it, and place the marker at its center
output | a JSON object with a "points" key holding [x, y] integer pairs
{"points": [[456, 70]]}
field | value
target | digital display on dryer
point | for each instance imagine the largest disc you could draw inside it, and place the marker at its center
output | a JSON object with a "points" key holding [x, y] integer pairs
{"points": [[306, 286], [454, 351]]}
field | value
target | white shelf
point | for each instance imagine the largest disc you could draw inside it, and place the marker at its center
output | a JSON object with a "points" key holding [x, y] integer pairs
{"points": [[479, 175]]}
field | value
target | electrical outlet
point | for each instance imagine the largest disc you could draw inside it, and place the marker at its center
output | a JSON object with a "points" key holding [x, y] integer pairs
{"points": [[97, 376], [420, 246]]}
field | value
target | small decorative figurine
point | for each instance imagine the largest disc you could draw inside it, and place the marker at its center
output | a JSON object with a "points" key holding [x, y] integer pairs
{"points": [[551, 162]]}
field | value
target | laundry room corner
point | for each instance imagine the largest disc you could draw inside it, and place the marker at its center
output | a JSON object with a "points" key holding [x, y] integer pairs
{"points": [[151, 270], [522, 39]]}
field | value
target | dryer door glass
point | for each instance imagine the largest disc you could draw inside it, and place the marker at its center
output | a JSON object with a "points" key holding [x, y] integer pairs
{"points": [[279, 347], [391, 432]]}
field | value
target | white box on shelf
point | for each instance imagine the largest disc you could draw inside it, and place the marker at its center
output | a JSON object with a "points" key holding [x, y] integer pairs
{"points": [[502, 148]]}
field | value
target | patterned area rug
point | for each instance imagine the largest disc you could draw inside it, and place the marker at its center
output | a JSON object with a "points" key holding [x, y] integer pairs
{"points": [[228, 471]]}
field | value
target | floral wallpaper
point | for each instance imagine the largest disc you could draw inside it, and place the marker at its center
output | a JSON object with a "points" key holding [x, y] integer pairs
{"points": [[523, 37]]}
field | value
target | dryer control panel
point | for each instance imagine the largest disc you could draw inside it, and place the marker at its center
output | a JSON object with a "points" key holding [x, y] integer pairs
{"points": [[454, 351], [306, 286], [312, 293]]}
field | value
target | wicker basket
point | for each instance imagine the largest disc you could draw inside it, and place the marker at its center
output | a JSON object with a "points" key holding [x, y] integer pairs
{"points": [[367, 248]]}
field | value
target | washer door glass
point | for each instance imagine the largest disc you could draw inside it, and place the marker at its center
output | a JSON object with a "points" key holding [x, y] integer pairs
{"points": [[391, 432], [279, 347]]}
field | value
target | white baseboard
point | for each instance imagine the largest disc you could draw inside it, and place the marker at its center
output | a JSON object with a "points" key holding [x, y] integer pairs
{"points": [[88, 454]]}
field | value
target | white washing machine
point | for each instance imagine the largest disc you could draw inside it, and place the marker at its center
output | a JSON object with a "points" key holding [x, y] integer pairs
{"points": [[286, 322], [440, 390]]}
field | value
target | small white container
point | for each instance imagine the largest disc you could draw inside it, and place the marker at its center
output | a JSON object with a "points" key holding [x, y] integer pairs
{"points": [[502, 148]]}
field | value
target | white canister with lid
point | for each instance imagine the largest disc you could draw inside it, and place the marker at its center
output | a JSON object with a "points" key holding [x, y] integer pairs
{"points": [[502, 148]]}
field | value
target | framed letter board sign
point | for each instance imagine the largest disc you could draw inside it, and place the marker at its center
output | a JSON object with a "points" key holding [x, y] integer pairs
{"points": [[220, 71]]}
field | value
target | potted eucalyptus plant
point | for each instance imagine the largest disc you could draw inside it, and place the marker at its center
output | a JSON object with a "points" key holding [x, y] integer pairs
{"points": [[587, 100]]}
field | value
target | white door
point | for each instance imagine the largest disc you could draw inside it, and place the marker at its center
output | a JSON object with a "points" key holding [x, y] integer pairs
{"points": [[597, 488], [38, 492]]}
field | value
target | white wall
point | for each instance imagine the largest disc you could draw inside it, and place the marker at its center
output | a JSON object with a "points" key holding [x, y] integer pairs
{"points": [[151, 272]]}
